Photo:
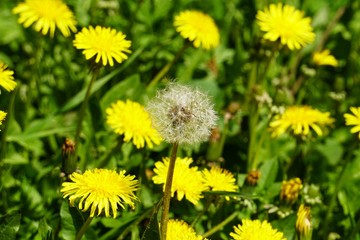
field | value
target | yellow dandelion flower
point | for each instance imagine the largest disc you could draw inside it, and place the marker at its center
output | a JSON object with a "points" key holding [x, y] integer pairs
{"points": [[104, 43], [101, 189], [287, 24], [303, 221], [180, 230], [300, 119], [198, 27], [47, 16], [6, 78], [131, 119], [290, 190], [2, 116], [353, 119], [256, 230], [187, 181], [218, 179], [325, 58]]}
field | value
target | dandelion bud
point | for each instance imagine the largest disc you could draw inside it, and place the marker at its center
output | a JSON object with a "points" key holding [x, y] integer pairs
{"points": [[233, 108], [68, 160], [290, 190], [303, 222], [182, 114], [253, 177]]}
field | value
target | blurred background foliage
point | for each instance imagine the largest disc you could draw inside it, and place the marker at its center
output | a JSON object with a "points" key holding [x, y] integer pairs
{"points": [[52, 77]]}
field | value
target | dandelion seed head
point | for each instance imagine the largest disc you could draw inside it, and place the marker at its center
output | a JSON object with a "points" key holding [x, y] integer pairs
{"points": [[182, 114]]}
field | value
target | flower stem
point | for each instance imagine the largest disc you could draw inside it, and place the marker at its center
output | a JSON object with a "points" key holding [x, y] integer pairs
{"points": [[220, 225], [136, 222], [95, 73], [209, 200], [7, 123], [332, 202], [355, 230], [83, 228], [167, 67], [167, 192], [323, 38]]}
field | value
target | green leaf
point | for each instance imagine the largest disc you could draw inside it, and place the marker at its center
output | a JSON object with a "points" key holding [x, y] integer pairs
{"points": [[71, 222], [231, 194], [39, 128], [269, 171], [286, 226], [16, 159], [78, 98], [44, 229], [152, 230], [332, 151], [9, 226], [70, 218], [129, 88]]}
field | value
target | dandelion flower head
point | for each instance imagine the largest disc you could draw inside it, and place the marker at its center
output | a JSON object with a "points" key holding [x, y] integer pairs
{"points": [[105, 44], [180, 230], [6, 78], [287, 24], [47, 16], [256, 230], [2, 116], [101, 189], [187, 181], [198, 27], [303, 220], [218, 179], [131, 119], [182, 114], [353, 119], [325, 58], [300, 119]]}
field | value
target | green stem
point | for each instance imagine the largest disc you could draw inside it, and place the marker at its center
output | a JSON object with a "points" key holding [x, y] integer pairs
{"points": [[83, 228], [81, 116], [135, 223], [7, 123], [254, 162], [220, 225], [256, 78], [206, 207], [215, 149], [167, 192], [269, 61], [167, 67], [339, 13], [355, 230], [332, 202], [253, 119], [250, 87]]}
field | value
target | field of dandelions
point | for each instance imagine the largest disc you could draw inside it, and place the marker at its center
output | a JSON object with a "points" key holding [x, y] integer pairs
{"points": [[160, 119]]}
